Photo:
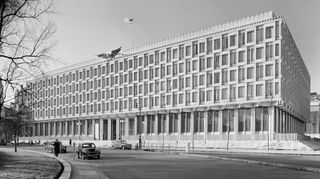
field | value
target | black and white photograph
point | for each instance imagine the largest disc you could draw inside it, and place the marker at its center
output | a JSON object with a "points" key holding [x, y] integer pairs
{"points": [[159, 89]]}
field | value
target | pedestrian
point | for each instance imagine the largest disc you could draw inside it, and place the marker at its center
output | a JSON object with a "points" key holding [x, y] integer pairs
{"points": [[139, 141], [70, 142], [56, 147]]}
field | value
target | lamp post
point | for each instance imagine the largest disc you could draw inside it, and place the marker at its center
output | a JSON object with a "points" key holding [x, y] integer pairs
{"points": [[228, 124], [162, 130], [138, 105]]}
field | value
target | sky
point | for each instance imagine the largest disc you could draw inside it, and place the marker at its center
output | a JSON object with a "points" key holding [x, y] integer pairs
{"points": [[86, 28]]}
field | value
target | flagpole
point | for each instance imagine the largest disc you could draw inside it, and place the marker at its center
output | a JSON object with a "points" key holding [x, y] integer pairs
{"points": [[130, 22]]}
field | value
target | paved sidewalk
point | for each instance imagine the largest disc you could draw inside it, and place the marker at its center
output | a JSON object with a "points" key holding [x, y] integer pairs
{"points": [[280, 152], [26, 164]]}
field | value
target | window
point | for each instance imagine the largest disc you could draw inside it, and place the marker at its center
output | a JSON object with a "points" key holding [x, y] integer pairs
{"points": [[216, 78], [194, 64], [241, 56], [244, 120], [194, 80], [209, 78], [269, 88], [188, 50], [224, 59], [224, 93], [209, 95], [168, 54], [209, 45], [269, 32], [194, 48], [201, 80], [232, 92], [250, 37], [241, 38], [250, 52], [209, 62], [181, 51], [224, 76], [181, 67], [188, 66], [277, 50], [175, 54], [233, 75], [277, 69], [259, 53], [232, 40], [202, 63], [261, 119], [250, 90], [240, 91], [233, 59], [241, 74], [194, 97], [269, 70], [201, 96], [216, 61], [216, 94], [259, 35], [202, 47], [259, 90], [269, 51], [227, 120], [250, 73], [216, 44], [224, 42], [259, 71], [276, 88]]}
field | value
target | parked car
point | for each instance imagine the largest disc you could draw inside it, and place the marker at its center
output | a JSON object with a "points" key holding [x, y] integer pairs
{"points": [[86, 150], [3, 142], [49, 147], [120, 144]]}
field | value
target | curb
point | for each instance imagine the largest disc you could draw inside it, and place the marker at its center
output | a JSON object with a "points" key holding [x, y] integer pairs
{"points": [[289, 166], [66, 172]]}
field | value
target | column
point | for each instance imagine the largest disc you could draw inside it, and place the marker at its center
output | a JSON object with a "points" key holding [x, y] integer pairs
{"points": [[135, 132], [34, 130], [179, 123], [253, 123], [126, 126], [93, 121], [220, 124], [60, 128], [101, 129], [271, 122], [72, 128], [66, 128], [54, 128], [167, 123], [39, 125], [109, 129], [205, 129], [276, 121], [192, 129], [156, 118], [280, 121], [85, 125], [145, 126], [236, 123], [49, 128], [117, 127]]}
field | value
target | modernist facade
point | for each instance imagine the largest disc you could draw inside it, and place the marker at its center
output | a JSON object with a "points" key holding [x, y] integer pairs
{"points": [[244, 80]]}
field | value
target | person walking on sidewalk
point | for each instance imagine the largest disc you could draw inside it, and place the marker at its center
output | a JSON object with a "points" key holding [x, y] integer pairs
{"points": [[56, 147]]}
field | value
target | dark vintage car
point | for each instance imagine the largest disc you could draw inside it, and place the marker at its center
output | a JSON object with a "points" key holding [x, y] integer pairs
{"points": [[49, 147], [87, 150], [120, 144]]}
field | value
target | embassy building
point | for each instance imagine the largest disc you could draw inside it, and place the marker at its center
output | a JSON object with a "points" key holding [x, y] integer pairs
{"points": [[243, 81]]}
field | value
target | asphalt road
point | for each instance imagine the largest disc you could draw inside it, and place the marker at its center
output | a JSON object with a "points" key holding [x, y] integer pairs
{"points": [[119, 164]]}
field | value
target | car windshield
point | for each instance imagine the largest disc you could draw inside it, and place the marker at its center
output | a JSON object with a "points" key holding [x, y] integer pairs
{"points": [[88, 145], [123, 142]]}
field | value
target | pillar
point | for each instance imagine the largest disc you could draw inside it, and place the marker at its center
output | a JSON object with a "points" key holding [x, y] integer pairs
{"points": [[167, 123], [39, 125], [49, 128], [135, 127], [271, 122], [54, 128], [205, 126], [66, 128], [126, 126], [93, 121], [179, 123], [34, 130], [101, 129], [117, 127], [220, 124], [85, 127], [109, 129], [145, 125], [72, 128], [236, 122], [253, 123], [60, 128], [156, 118]]}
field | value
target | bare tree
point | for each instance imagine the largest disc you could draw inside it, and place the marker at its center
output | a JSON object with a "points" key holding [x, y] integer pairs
{"points": [[25, 43]]}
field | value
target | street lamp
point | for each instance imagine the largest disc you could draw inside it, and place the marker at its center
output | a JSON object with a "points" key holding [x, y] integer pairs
{"points": [[138, 105]]}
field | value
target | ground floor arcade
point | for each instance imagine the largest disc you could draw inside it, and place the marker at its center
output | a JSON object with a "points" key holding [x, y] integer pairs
{"points": [[255, 123]]}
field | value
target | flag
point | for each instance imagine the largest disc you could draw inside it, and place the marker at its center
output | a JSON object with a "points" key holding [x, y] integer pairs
{"points": [[128, 20]]}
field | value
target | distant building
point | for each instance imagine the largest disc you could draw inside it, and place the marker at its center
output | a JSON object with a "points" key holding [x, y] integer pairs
{"points": [[313, 125], [245, 79]]}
